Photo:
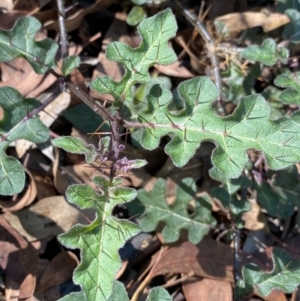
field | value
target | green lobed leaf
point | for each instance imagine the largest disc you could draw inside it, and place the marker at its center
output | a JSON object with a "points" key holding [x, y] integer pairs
{"points": [[291, 95], [75, 145], [281, 195], [16, 107], [20, 42], [268, 53], [100, 241], [155, 33], [285, 276], [249, 127], [154, 206], [292, 29], [69, 64]]}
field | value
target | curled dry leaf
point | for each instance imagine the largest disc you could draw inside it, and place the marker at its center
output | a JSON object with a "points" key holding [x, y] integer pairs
{"points": [[23, 199], [19, 262]]}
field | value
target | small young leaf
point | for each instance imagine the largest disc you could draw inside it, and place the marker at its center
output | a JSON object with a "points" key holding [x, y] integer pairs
{"points": [[69, 64], [249, 127], [20, 42], [268, 53], [154, 49], [75, 145], [291, 95], [136, 15], [15, 107], [281, 195], [284, 276], [101, 240], [176, 215]]}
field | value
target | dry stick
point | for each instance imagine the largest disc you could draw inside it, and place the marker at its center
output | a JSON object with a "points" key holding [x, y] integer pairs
{"points": [[62, 28], [210, 48]]}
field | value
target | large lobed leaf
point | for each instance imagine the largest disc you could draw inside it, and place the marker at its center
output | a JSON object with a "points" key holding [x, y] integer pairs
{"points": [[285, 276], [176, 216], [100, 241], [155, 33], [249, 127], [15, 107], [20, 42]]}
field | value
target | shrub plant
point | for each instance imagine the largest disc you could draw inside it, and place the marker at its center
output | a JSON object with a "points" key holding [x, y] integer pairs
{"points": [[248, 127]]}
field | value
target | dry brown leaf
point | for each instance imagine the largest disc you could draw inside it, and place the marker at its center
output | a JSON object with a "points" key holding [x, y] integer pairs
{"points": [[208, 259], [23, 199], [207, 290], [19, 262], [255, 219], [48, 217], [237, 22], [59, 270], [19, 75], [275, 295]]}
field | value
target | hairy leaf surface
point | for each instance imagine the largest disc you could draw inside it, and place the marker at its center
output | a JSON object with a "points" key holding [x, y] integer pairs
{"points": [[291, 95], [155, 33], [100, 241], [20, 42], [285, 276], [268, 53], [249, 127], [75, 145], [176, 215], [15, 107]]}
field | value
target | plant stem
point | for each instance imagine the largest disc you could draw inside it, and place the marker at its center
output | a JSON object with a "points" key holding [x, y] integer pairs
{"points": [[62, 28]]}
